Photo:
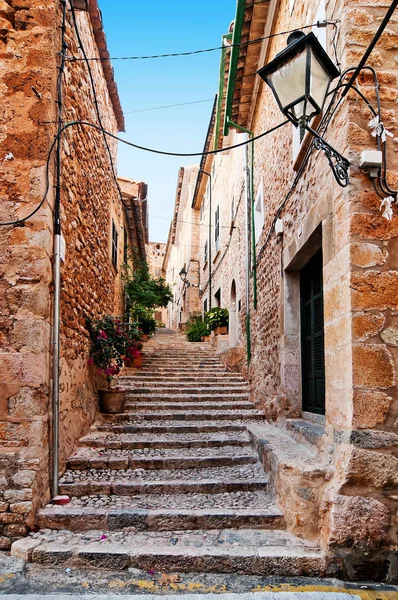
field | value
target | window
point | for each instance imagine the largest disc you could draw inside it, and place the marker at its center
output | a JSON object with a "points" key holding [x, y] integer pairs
{"points": [[205, 306], [115, 241], [259, 212], [217, 228], [206, 252], [125, 247]]}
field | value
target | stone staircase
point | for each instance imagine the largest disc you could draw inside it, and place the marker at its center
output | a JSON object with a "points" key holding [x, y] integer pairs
{"points": [[175, 482]]}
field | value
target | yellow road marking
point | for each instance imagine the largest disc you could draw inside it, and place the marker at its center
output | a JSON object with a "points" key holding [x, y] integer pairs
{"points": [[363, 594]]}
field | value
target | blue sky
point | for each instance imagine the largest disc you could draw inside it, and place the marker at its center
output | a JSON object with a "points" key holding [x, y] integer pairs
{"points": [[136, 27]]}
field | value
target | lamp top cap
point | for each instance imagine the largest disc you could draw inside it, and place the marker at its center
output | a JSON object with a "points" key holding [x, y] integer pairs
{"points": [[295, 37]]}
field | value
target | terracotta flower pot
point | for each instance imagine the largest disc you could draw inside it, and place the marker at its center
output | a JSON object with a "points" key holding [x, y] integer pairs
{"points": [[205, 338], [221, 331], [144, 337], [112, 401]]}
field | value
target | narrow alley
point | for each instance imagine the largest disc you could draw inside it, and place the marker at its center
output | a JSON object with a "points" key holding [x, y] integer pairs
{"points": [[198, 299], [175, 483]]}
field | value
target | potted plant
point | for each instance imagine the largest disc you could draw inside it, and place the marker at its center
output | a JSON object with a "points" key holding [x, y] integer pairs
{"points": [[146, 321], [217, 320], [108, 346], [196, 329]]}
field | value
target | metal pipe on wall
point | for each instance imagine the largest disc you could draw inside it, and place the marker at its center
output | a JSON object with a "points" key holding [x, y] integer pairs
{"points": [[210, 209], [248, 208], [57, 269]]}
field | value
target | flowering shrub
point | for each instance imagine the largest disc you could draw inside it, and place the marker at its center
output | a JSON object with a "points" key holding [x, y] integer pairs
{"points": [[111, 342]]}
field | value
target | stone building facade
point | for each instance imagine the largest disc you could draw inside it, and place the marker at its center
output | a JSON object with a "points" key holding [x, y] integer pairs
{"points": [[333, 262], [155, 252], [98, 220], [182, 252]]}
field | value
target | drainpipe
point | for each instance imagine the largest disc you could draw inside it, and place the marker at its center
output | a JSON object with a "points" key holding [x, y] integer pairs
{"points": [[210, 209], [226, 41], [57, 270], [247, 206]]}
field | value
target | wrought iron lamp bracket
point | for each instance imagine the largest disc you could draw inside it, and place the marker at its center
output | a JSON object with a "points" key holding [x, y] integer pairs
{"points": [[338, 163]]}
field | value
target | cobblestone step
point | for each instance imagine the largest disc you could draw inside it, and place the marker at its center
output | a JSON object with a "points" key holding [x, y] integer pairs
{"points": [[127, 424], [165, 440], [176, 391], [163, 481], [207, 401], [191, 415], [117, 513], [146, 403], [99, 439], [154, 376], [153, 459], [252, 552]]}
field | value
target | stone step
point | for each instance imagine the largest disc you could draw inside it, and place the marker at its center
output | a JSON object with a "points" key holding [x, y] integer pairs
{"points": [[190, 415], [128, 482], [242, 510], [182, 371], [252, 552], [124, 424], [102, 439], [177, 390], [188, 404], [155, 380], [103, 458], [168, 397]]}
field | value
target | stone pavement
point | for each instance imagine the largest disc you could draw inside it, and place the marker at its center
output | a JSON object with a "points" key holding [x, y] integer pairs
{"points": [[174, 483], [259, 596]]}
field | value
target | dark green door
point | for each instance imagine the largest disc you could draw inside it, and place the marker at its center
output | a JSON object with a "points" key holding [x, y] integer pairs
{"points": [[312, 336]]}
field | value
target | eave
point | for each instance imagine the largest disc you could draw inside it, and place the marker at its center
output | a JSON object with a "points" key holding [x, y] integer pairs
{"points": [[91, 6], [250, 24]]}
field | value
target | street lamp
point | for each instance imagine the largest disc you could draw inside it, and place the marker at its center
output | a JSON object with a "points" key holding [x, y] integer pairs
{"points": [[300, 77], [183, 275]]}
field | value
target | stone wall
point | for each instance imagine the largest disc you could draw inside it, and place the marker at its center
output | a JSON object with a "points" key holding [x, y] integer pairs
{"points": [[28, 46], [91, 284]]}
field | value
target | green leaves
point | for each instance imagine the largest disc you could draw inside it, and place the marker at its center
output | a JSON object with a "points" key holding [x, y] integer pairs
{"points": [[217, 317], [196, 328], [143, 290]]}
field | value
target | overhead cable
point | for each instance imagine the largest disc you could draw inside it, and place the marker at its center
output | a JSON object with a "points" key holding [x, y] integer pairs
{"points": [[205, 50], [131, 144]]}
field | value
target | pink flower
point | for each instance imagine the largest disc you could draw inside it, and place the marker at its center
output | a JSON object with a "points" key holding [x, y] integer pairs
{"points": [[103, 335], [90, 361]]}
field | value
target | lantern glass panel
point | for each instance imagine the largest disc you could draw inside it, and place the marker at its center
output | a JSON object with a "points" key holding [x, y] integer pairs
{"points": [[289, 80], [320, 81]]}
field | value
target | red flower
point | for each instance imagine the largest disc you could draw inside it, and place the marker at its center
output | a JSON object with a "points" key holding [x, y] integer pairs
{"points": [[103, 335]]}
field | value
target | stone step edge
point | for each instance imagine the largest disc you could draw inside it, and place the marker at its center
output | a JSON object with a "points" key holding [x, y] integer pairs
{"points": [[275, 560], [128, 488], [178, 427], [159, 462], [111, 519], [97, 444]]}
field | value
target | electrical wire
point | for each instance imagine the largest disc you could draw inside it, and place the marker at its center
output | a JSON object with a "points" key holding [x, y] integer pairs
{"points": [[108, 133], [202, 51], [141, 110]]}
